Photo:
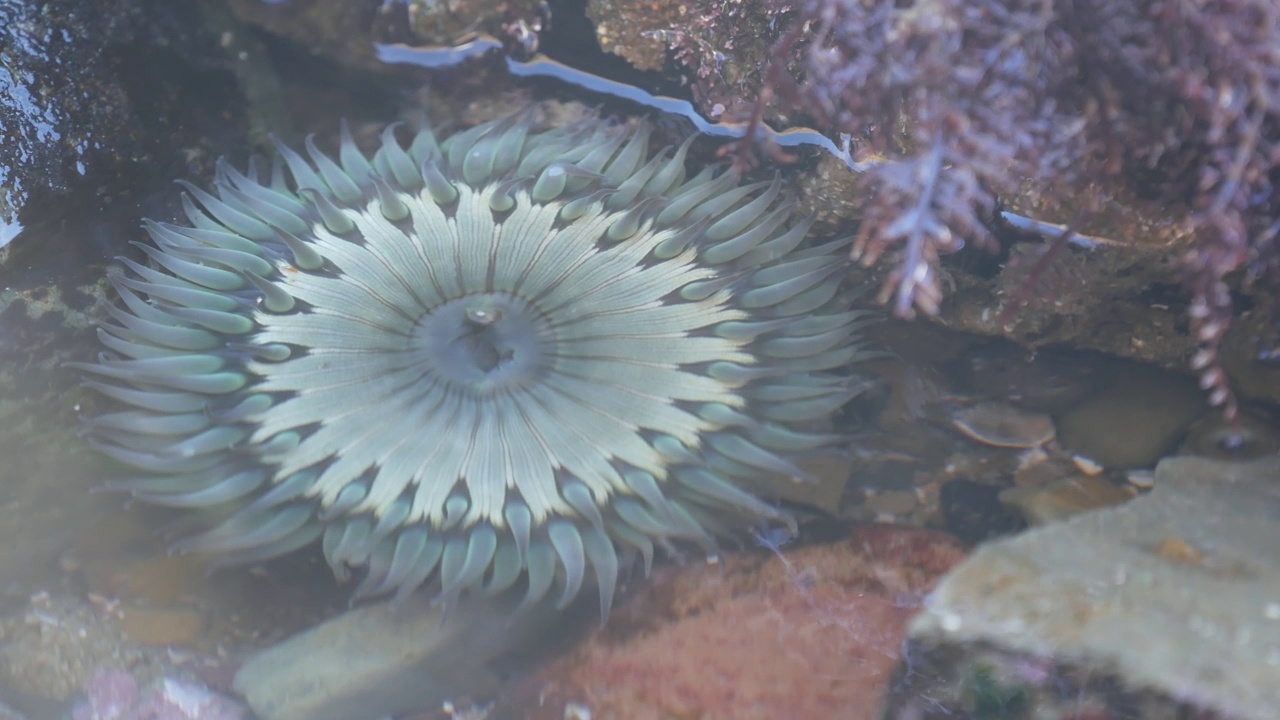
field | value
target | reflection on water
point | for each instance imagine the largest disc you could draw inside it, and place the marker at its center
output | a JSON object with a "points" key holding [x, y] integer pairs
{"points": [[9, 230]]}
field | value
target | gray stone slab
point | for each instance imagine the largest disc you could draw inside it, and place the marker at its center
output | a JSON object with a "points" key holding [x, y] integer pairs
{"points": [[377, 660], [1177, 591]]}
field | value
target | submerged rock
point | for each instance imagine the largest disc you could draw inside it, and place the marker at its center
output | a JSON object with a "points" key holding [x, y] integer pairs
{"points": [[99, 99], [1064, 498], [1253, 434], [344, 32], [1136, 420], [379, 660], [1002, 425], [1170, 600]]}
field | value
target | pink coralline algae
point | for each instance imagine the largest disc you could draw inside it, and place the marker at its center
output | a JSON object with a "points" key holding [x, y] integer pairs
{"points": [[812, 633], [115, 695], [969, 99], [112, 695]]}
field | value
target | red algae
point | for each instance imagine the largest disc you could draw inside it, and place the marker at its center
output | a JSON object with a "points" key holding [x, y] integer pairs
{"points": [[813, 633]]}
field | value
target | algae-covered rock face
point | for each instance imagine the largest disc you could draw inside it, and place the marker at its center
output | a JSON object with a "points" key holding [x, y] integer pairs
{"points": [[502, 359]]}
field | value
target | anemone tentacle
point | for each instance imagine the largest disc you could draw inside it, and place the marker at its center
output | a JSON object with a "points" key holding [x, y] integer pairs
{"points": [[511, 353]]}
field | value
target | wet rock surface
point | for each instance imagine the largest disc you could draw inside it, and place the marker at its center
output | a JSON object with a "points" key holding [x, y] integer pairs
{"points": [[812, 633], [379, 660], [718, 48], [98, 100], [344, 32], [1120, 293], [1166, 601]]}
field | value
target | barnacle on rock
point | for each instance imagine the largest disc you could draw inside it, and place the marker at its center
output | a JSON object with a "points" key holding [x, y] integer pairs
{"points": [[502, 359]]}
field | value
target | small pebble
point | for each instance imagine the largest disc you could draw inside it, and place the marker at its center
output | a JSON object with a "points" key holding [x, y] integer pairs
{"points": [[1141, 479], [1086, 465], [1003, 425], [893, 502]]}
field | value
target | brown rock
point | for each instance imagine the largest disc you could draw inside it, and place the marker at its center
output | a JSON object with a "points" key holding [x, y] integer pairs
{"points": [[1064, 498], [1138, 419]]}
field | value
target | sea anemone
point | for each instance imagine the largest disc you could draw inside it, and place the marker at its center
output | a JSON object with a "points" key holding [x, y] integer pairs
{"points": [[499, 359]]}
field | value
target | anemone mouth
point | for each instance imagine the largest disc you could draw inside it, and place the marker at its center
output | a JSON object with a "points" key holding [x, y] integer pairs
{"points": [[484, 344], [512, 356]]}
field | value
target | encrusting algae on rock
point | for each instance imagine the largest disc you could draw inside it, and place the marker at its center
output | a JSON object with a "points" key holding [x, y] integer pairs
{"points": [[505, 357]]}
